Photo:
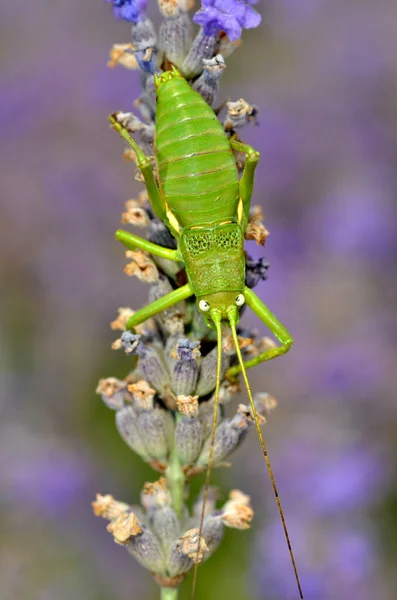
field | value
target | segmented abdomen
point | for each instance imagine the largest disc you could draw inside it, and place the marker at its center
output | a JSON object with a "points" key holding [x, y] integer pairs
{"points": [[196, 166]]}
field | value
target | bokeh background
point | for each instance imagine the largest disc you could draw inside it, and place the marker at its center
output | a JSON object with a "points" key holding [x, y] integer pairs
{"points": [[323, 73]]}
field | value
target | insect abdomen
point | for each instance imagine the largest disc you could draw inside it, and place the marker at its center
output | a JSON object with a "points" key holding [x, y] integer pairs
{"points": [[196, 166]]}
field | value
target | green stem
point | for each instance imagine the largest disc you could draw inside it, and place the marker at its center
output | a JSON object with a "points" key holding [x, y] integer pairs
{"points": [[169, 594], [176, 483]]}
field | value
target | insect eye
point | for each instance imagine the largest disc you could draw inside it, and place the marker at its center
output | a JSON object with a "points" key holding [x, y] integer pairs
{"points": [[204, 306], [240, 300]]}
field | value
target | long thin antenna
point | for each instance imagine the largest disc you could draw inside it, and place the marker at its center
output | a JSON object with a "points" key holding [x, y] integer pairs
{"points": [[232, 321], [217, 320]]}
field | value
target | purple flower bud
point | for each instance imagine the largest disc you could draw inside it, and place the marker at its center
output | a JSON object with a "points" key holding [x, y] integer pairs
{"points": [[231, 16], [129, 10]]}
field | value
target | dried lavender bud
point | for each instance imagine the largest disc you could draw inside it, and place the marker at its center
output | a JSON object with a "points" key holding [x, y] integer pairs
{"points": [[189, 430], [237, 513], [156, 428], [151, 362], [109, 508], [112, 392], [210, 505], [206, 410], [183, 553], [213, 530], [129, 121], [143, 35], [255, 271], [164, 522], [141, 266], [170, 320], [147, 139], [160, 234], [155, 494], [207, 378], [240, 113], [175, 36], [137, 216], [147, 550], [203, 47], [128, 428], [185, 368], [131, 342], [208, 83], [122, 54], [147, 60], [142, 395], [227, 437], [265, 404]]}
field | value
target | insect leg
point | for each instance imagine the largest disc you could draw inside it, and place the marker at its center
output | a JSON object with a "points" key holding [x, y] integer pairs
{"points": [[132, 242], [247, 178], [145, 165], [277, 328], [159, 305]]}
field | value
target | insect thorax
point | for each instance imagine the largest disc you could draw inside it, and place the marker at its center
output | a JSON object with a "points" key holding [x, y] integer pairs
{"points": [[214, 257]]}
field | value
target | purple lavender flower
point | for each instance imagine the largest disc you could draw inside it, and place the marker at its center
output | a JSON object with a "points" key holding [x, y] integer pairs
{"points": [[129, 10], [231, 16]]}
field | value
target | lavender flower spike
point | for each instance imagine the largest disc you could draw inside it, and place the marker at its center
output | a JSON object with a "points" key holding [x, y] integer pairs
{"points": [[129, 10], [230, 16]]}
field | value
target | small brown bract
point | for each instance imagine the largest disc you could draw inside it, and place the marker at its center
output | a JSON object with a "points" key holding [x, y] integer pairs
{"points": [[142, 393], [141, 266], [124, 527], [122, 54], [109, 386], [189, 545], [188, 405], [237, 512], [108, 508]]}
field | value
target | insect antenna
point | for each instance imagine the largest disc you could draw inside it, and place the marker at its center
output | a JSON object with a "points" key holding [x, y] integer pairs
{"points": [[232, 322], [217, 320]]}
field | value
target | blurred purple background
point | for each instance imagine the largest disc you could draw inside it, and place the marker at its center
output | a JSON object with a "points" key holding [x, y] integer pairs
{"points": [[324, 76]]}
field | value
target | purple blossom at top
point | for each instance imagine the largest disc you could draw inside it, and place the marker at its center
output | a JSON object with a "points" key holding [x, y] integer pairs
{"points": [[129, 10], [231, 16]]}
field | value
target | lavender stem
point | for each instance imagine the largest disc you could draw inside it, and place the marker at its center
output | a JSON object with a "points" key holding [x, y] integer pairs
{"points": [[176, 482], [169, 594]]}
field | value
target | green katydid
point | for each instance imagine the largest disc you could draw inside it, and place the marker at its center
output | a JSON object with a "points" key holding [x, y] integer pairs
{"points": [[205, 205]]}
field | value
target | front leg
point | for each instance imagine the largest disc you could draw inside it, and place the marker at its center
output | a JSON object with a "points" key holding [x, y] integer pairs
{"points": [[132, 242], [277, 328], [247, 178], [159, 305]]}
